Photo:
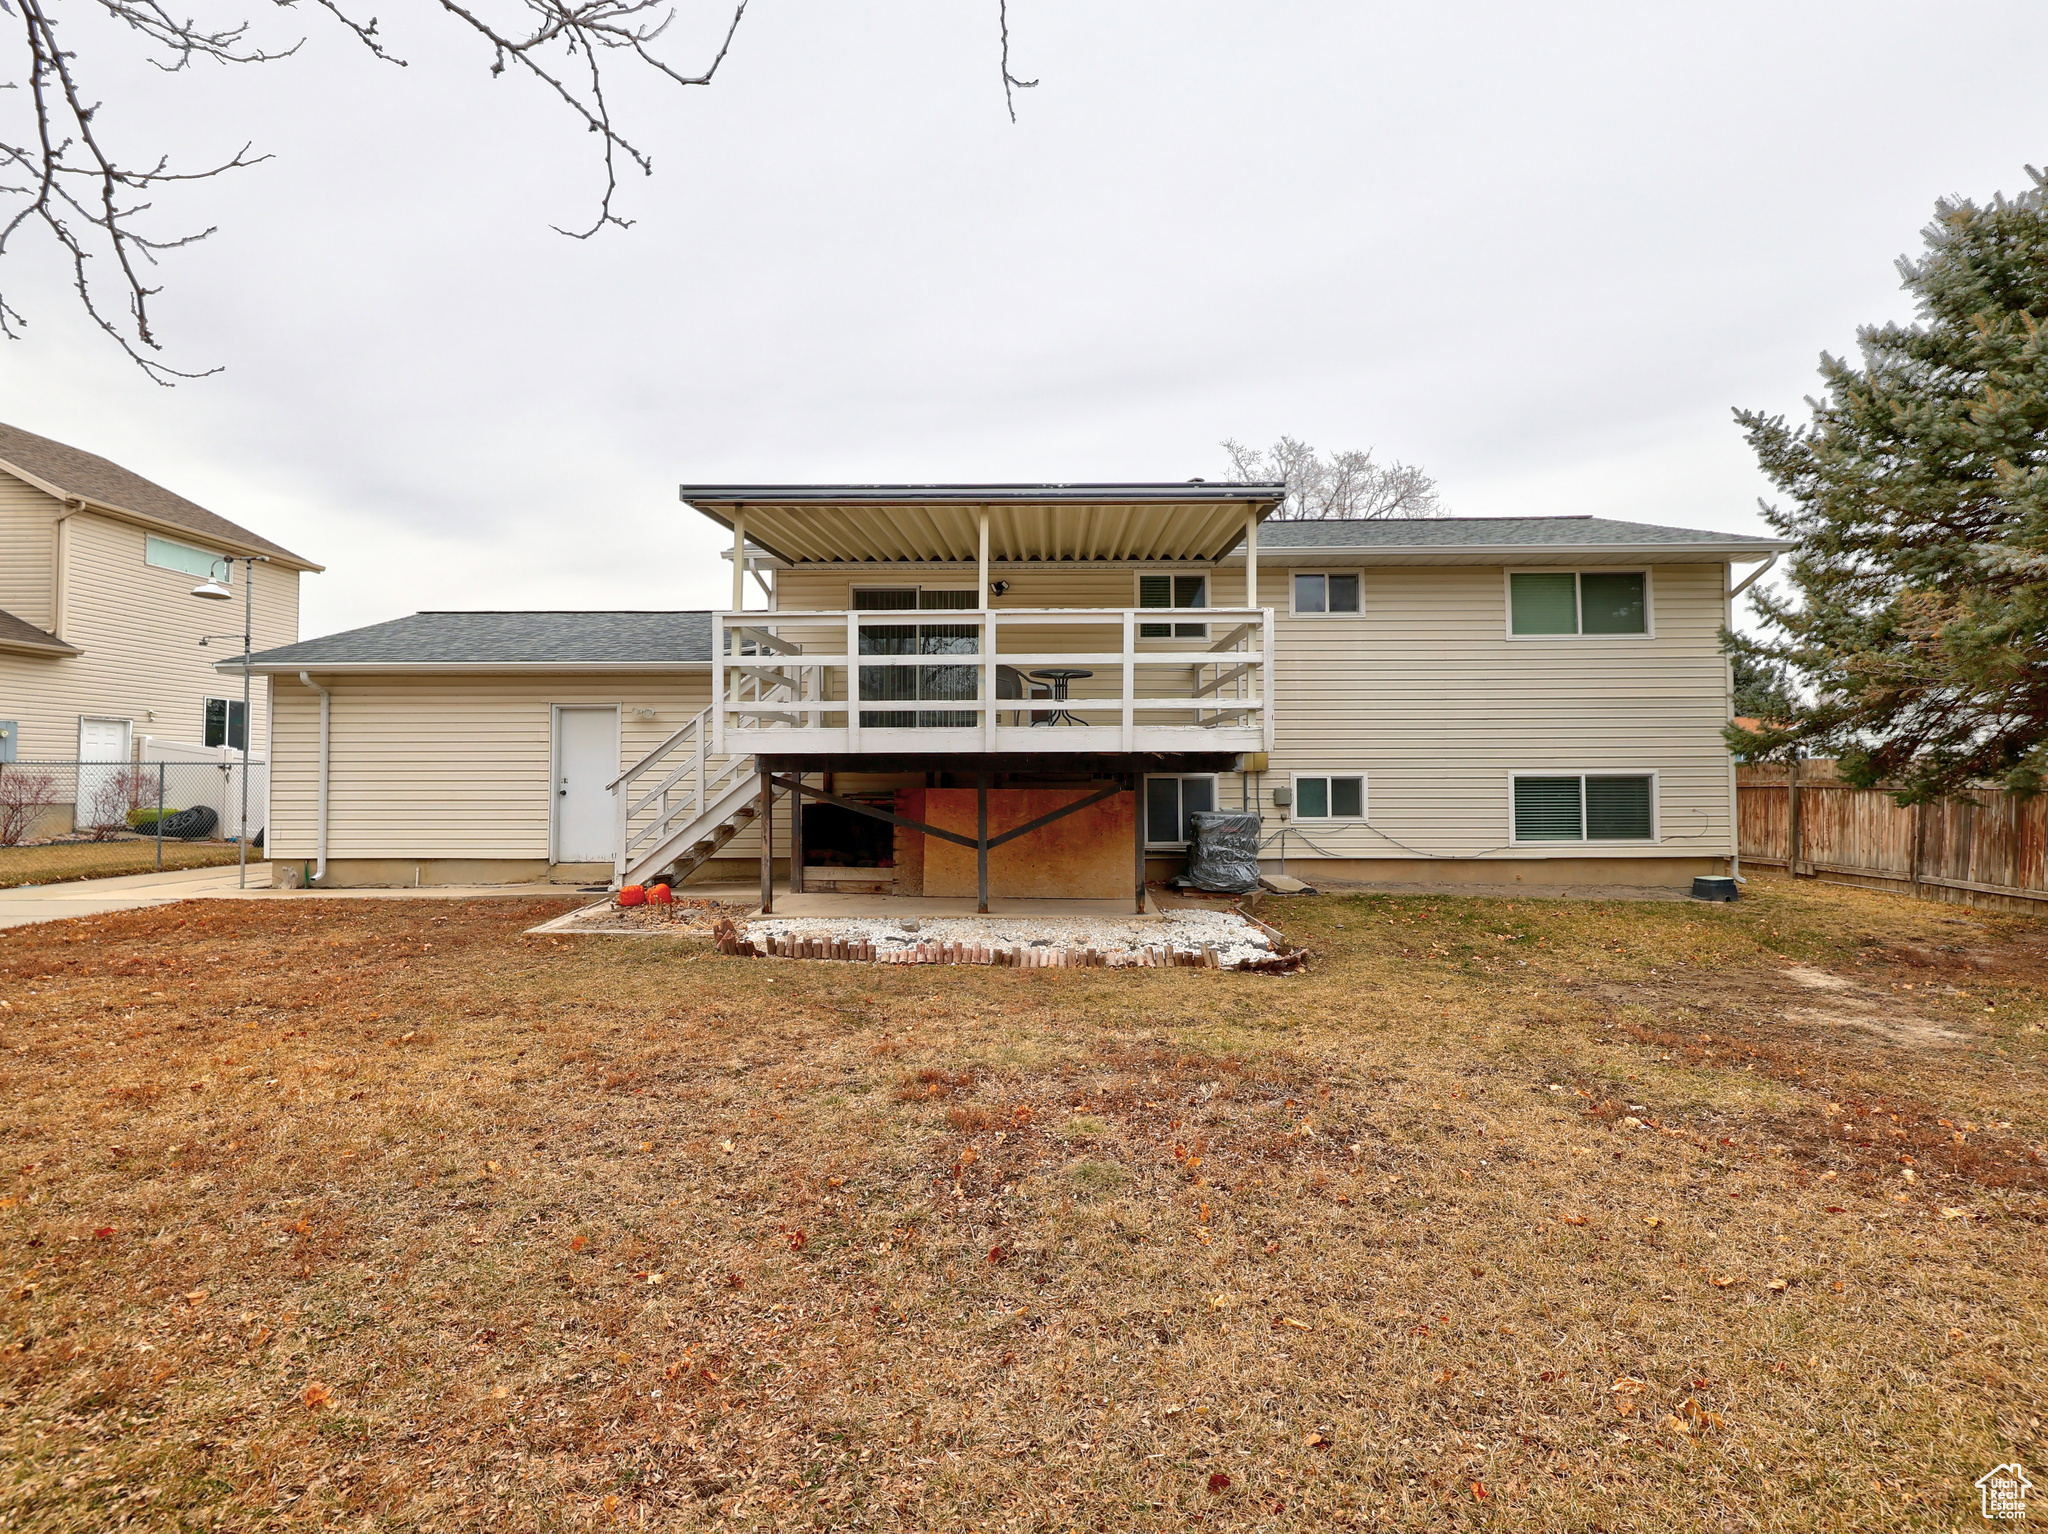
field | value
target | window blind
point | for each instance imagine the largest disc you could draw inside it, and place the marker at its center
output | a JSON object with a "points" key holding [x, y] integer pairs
{"points": [[1547, 810]]}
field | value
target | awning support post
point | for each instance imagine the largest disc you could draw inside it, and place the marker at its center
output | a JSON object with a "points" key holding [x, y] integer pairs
{"points": [[1251, 565], [739, 558]]}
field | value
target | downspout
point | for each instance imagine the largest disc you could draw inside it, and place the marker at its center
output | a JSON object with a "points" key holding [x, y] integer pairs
{"points": [[320, 813], [60, 563], [1734, 791]]}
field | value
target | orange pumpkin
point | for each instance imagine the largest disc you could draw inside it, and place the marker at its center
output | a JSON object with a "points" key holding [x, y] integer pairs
{"points": [[661, 894], [632, 894]]}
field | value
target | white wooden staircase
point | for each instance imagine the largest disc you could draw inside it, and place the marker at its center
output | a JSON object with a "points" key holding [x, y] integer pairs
{"points": [[679, 804]]}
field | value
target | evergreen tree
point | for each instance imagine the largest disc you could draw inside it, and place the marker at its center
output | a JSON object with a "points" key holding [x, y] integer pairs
{"points": [[1760, 690], [1917, 612]]}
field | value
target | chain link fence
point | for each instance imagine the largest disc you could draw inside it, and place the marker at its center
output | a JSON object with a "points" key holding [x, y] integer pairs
{"points": [[191, 801]]}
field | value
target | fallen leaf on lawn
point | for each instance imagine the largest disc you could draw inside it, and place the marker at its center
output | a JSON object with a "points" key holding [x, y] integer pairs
{"points": [[196, 1297], [490, 1166], [650, 1278], [611, 1504], [316, 1395], [1629, 1385], [1316, 1441], [1300, 1326], [1653, 1220], [1479, 1491], [1219, 1482], [579, 1243], [1778, 1285], [647, 1145], [1217, 1302], [500, 1393], [1720, 1283], [726, 1146], [106, 1231], [1955, 1214], [1573, 1219]]}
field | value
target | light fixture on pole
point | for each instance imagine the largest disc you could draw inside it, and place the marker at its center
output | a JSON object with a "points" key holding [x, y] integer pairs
{"points": [[211, 590]]}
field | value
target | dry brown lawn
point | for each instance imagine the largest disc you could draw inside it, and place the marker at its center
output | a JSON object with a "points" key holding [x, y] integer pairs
{"points": [[61, 862], [1506, 1214]]}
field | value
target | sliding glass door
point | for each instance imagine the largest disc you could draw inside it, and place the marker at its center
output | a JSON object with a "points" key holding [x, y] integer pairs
{"points": [[918, 684]]}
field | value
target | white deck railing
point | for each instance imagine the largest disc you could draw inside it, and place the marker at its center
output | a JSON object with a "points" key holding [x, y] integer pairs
{"points": [[800, 682], [661, 798]]}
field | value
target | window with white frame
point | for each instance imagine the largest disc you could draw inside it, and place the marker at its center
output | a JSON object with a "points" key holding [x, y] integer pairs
{"points": [[1173, 591], [1329, 796], [169, 554], [1168, 803], [1585, 807], [1327, 593], [1568, 604], [223, 723]]}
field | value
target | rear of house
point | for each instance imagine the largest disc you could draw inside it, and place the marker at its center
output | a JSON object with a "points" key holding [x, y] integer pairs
{"points": [[1027, 690]]}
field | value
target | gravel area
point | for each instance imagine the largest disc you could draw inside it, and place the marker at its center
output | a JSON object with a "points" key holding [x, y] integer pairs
{"points": [[1118, 943]]}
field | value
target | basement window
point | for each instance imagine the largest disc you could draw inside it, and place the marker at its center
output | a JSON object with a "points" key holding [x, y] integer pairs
{"points": [[1168, 803]]}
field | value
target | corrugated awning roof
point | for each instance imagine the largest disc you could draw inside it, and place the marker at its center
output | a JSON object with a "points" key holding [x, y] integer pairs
{"points": [[831, 524]]}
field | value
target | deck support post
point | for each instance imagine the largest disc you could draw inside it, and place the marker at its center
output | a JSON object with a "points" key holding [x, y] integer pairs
{"points": [[981, 841], [796, 839], [1138, 833], [765, 814]]}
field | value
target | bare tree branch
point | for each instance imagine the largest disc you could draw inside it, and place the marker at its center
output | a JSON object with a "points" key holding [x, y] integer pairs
{"points": [[92, 203], [1011, 84], [1348, 486]]}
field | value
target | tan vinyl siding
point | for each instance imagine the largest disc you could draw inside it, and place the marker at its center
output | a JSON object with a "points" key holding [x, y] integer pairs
{"points": [[28, 521], [448, 766], [1426, 694], [139, 628]]}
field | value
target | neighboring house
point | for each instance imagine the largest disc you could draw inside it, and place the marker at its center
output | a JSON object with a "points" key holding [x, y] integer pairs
{"points": [[99, 632], [1499, 700]]}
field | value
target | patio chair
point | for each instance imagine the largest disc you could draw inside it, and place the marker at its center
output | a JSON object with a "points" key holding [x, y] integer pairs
{"points": [[1012, 683]]}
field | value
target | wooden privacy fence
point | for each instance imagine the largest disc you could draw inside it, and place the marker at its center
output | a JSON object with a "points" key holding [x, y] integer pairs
{"points": [[1983, 849]]}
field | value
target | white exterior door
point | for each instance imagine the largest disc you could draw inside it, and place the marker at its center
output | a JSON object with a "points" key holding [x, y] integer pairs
{"points": [[105, 794], [586, 760]]}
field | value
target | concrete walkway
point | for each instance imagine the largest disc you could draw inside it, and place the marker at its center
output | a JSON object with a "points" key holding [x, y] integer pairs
{"points": [[27, 904]]}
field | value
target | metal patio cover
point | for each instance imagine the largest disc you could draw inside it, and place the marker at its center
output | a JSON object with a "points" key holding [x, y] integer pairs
{"points": [[806, 524]]}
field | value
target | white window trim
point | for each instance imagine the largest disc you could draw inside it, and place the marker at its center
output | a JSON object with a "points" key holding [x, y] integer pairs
{"points": [[860, 586], [225, 578], [1144, 805], [1507, 591], [1364, 793], [1171, 641], [1655, 837], [1294, 612], [227, 726]]}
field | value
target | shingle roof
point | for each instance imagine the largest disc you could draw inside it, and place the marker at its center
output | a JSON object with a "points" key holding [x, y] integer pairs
{"points": [[1491, 532], [18, 631], [73, 472], [458, 641]]}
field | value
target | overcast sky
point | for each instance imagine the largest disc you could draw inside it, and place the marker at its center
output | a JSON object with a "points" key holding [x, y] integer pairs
{"points": [[1539, 250]]}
